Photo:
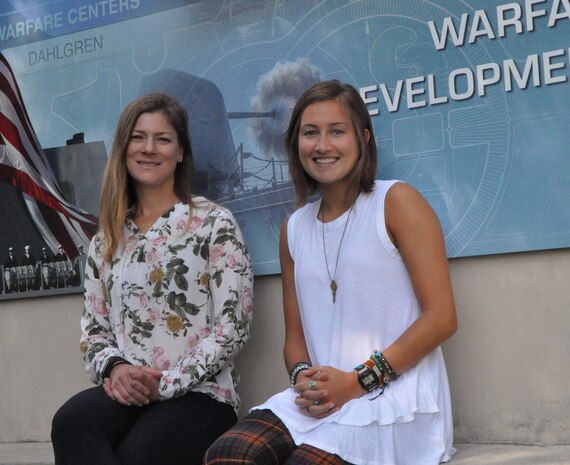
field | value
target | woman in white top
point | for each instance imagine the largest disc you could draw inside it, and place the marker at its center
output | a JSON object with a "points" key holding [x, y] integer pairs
{"points": [[367, 301], [168, 304]]}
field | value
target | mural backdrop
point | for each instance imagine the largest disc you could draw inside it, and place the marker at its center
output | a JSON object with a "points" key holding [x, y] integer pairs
{"points": [[469, 102]]}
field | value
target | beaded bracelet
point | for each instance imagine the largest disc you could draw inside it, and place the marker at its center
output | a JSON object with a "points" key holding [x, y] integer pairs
{"points": [[297, 368], [379, 358], [384, 377], [378, 369]]}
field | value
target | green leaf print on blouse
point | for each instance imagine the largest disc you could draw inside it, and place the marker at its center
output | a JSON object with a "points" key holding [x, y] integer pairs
{"points": [[139, 330], [173, 249], [181, 281], [201, 247], [228, 235], [176, 269], [91, 263], [95, 348], [177, 303]]}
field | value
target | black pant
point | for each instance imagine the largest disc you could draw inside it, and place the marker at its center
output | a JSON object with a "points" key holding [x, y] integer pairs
{"points": [[92, 429]]}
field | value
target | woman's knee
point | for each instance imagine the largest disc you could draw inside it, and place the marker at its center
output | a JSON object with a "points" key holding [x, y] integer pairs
{"points": [[231, 444], [80, 412], [59, 423], [259, 439], [309, 455], [66, 419]]}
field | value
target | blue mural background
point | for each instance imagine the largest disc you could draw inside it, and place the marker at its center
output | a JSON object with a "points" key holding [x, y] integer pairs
{"points": [[494, 166]]}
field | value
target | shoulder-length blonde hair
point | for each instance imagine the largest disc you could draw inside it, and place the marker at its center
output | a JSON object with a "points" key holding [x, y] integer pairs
{"points": [[118, 193], [364, 173]]}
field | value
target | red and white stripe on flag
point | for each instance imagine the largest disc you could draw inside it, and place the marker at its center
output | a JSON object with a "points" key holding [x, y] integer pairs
{"points": [[24, 165]]}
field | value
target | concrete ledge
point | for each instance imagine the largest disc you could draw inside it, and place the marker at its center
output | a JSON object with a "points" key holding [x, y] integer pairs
{"points": [[26, 453], [40, 453], [510, 454]]}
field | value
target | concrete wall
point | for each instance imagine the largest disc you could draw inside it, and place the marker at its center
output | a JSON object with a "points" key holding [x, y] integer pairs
{"points": [[508, 364], [509, 361]]}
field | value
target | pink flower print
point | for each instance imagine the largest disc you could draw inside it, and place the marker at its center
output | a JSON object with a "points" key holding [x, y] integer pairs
{"points": [[155, 315], [158, 241], [220, 330], [120, 332], [247, 300], [180, 226], [143, 300], [104, 269], [222, 392], [216, 252], [95, 338], [191, 343], [232, 262], [195, 223], [131, 243], [152, 256], [98, 305], [159, 360], [204, 331]]}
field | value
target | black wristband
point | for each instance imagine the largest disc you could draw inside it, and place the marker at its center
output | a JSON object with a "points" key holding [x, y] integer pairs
{"points": [[297, 368], [111, 363]]}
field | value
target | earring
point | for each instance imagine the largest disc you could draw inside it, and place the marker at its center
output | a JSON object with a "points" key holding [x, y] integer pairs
{"points": [[180, 160]]}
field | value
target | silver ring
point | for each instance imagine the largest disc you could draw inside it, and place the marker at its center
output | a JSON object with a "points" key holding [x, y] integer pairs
{"points": [[313, 385]]}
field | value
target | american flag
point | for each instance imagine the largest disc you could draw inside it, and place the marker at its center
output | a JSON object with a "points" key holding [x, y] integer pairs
{"points": [[24, 165]]}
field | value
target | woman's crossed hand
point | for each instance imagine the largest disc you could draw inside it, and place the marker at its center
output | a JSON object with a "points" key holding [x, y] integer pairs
{"points": [[133, 385], [324, 390]]}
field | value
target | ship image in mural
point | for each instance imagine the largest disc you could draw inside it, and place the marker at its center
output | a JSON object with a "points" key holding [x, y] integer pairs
{"points": [[259, 197]]}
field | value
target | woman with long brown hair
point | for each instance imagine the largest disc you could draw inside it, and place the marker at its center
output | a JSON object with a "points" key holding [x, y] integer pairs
{"points": [[168, 304], [367, 300]]}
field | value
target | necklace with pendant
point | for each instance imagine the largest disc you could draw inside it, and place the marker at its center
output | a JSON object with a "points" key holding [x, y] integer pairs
{"points": [[333, 284]]}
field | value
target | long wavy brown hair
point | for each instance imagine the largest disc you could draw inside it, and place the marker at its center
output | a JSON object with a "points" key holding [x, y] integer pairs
{"points": [[118, 192], [364, 173]]}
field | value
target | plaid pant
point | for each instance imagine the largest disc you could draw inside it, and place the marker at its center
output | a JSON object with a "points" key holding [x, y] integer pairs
{"points": [[261, 438]]}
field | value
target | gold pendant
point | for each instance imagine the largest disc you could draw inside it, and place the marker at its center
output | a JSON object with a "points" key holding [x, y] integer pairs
{"points": [[333, 289]]}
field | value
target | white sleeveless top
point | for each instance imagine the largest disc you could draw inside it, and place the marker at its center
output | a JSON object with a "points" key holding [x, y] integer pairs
{"points": [[410, 424]]}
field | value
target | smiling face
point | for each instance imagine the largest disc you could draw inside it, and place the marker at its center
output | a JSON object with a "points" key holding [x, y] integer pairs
{"points": [[328, 146], [153, 152]]}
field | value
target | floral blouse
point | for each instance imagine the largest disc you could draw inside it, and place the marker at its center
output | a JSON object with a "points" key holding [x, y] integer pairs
{"points": [[178, 298]]}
